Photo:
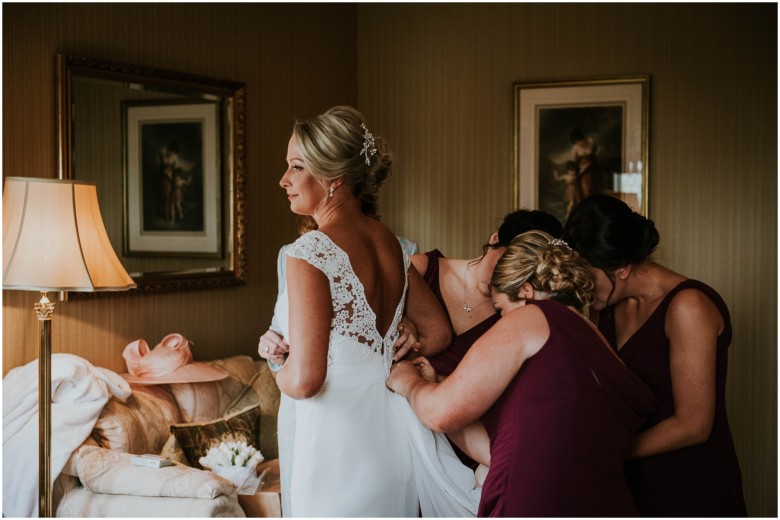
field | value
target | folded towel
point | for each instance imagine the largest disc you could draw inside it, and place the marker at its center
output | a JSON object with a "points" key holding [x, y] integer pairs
{"points": [[79, 392]]}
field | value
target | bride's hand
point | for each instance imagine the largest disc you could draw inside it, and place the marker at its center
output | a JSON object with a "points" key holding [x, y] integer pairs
{"points": [[273, 347]]}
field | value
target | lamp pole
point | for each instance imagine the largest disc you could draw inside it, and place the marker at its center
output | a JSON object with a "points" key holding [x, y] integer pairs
{"points": [[45, 310]]}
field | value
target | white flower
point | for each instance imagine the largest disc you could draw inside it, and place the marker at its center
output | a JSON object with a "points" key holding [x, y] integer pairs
{"points": [[231, 453]]}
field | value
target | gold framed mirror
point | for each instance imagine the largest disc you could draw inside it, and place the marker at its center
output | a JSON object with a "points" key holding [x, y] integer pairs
{"points": [[166, 150]]}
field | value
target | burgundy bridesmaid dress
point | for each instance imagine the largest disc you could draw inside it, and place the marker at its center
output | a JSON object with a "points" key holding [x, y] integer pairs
{"points": [[560, 432], [700, 480]]}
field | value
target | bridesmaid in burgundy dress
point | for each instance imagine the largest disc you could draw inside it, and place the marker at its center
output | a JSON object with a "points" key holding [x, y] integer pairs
{"points": [[560, 408], [674, 333], [462, 288]]}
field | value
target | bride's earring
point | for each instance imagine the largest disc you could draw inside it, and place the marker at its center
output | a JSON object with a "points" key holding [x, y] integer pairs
{"points": [[330, 193]]}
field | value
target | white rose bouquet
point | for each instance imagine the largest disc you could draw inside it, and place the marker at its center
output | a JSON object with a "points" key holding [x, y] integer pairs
{"points": [[236, 461]]}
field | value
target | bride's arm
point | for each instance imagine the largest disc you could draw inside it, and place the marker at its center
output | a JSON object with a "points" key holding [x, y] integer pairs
{"points": [[311, 311]]}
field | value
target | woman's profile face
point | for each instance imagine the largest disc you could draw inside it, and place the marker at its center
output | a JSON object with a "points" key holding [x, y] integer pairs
{"points": [[304, 192], [502, 303], [492, 254]]}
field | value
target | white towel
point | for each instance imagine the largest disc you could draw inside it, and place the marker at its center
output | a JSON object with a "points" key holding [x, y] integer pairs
{"points": [[79, 392]]}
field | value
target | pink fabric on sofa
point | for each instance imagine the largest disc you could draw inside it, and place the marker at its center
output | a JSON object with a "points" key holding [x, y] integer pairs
{"points": [[208, 401]]}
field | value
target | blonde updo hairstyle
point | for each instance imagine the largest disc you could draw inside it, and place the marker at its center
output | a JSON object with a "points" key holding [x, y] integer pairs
{"points": [[331, 146], [549, 266]]}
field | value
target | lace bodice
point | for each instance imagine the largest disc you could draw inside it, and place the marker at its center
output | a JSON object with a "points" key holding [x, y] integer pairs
{"points": [[354, 335]]}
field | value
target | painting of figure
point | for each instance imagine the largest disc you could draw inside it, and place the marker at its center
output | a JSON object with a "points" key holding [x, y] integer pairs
{"points": [[172, 176], [579, 150], [576, 138]]}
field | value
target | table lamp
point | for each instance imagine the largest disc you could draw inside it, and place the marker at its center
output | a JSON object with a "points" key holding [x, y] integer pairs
{"points": [[54, 240]]}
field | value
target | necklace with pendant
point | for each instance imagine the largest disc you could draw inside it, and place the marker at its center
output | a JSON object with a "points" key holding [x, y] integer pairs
{"points": [[466, 308]]}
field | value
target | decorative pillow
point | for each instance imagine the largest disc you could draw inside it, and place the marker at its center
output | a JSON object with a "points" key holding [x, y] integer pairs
{"points": [[195, 439], [207, 401], [110, 472], [140, 425], [173, 451], [262, 390]]}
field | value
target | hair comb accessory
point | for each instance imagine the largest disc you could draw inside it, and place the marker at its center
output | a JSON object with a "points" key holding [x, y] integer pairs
{"points": [[369, 147], [559, 242]]}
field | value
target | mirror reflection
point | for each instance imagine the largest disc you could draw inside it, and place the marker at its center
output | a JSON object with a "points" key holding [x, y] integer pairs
{"points": [[165, 150]]}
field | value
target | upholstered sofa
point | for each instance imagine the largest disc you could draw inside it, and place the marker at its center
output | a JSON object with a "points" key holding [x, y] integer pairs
{"points": [[175, 420]]}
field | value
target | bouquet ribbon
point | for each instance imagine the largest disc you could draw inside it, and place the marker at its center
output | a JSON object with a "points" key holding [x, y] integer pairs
{"points": [[245, 478]]}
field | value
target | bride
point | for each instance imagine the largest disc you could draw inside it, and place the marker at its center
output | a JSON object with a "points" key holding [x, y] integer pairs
{"points": [[358, 448]]}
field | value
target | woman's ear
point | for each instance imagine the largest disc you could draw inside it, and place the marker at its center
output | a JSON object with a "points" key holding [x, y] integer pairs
{"points": [[623, 272], [526, 292]]}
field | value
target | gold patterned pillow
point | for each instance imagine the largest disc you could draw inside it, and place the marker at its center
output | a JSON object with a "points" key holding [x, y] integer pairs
{"points": [[195, 439]]}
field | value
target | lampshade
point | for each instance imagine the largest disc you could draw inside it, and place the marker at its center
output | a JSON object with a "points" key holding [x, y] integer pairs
{"points": [[54, 238]]}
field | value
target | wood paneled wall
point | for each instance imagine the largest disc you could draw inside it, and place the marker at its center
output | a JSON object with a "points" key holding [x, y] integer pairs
{"points": [[436, 81]]}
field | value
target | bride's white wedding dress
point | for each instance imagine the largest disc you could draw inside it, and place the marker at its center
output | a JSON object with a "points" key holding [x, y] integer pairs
{"points": [[359, 450]]}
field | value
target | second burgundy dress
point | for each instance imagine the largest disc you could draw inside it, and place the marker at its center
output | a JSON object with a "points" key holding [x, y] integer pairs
{"points": [[446, 362]]}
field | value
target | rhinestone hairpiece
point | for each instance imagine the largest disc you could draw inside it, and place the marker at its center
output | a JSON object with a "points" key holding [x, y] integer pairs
{"points": [[559, 242], [369, 147]]}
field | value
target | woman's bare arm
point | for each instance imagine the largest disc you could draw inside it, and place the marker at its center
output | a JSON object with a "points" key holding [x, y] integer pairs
{"points": [[693, 324], [422, 308], [480, 378], [473, 440], [311, 313]]}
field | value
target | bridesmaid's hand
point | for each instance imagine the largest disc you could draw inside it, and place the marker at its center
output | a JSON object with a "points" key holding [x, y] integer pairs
{"points": [[273, 347], [427, 372], [403, 376], [407, 339]]}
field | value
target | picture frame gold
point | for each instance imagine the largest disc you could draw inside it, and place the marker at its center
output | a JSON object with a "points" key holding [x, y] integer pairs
{"points": [[172, 178], [576, 138]]}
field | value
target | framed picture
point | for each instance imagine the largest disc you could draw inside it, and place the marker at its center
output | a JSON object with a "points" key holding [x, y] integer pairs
{"points": [[172, 178], [577, 138]]}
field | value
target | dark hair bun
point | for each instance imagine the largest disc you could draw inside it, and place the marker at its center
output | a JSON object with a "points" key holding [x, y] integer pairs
{"points": [[524, 220], [609, 234]]}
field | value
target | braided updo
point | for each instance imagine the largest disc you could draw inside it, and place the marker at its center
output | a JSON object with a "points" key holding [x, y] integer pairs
{"points": [[333, 147], [549, 266]]}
